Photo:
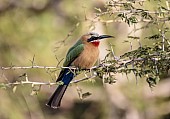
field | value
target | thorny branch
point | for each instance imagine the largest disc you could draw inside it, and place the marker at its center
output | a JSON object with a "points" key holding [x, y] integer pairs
{"points": [[148, 62], [35, 83], [107, 66], [45, 83], [71, 67]]}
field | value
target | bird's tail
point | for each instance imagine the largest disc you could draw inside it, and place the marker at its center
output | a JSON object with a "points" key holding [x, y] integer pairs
{"points": [[55, 99]]}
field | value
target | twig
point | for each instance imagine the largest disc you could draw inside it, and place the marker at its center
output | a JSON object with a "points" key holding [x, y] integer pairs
{"points": [[45, 83], [163, 40], [83, 79], [122, 2], [72, 67], [31, 82], [35, 67], [71, 31]]}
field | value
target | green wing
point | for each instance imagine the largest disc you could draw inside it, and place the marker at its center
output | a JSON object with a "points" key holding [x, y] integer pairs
{"points": [[73, 53]]}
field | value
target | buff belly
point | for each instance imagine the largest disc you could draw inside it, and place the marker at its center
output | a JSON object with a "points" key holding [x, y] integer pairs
{"points": [[87, 58]]}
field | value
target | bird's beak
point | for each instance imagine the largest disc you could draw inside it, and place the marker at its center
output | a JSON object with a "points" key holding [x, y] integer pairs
{"points": [[105, 36], [93, 39]]}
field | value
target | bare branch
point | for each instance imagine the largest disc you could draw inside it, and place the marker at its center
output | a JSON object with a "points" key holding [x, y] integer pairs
{"points": [[35, 67]]}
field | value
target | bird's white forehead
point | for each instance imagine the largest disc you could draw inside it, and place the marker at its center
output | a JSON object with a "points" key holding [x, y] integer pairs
{"points": [[93, 34]]}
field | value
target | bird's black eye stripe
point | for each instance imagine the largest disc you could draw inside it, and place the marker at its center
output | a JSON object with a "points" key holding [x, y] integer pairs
{"points": [[92, 38]]}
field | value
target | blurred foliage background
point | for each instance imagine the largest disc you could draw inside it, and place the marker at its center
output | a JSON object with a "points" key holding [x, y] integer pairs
{"points": [[42, 31]]}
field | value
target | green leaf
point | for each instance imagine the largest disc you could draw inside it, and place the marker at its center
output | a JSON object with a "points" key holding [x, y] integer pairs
{"points": [[3, 86]]}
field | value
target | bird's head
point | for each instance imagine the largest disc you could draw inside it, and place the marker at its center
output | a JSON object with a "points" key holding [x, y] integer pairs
{"points": [[94, 38]]}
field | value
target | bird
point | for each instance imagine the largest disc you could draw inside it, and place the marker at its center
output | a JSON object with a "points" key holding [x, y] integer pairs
{"points": [[83, 54]]}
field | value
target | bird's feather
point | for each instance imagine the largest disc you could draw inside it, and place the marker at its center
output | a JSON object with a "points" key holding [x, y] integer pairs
{"points": [[72, 54], [55, 99], [65, 75], [83, 55], [79, 42]]}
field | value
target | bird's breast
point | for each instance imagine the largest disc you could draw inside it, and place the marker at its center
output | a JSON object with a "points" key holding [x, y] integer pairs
{"points": [[87, 58]]}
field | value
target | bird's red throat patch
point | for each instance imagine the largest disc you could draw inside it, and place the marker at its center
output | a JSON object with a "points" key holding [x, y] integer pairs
{"points": [[96, 43]]}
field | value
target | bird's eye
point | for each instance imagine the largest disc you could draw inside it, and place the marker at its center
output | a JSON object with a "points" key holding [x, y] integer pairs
{"points": [[93, 38]]}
